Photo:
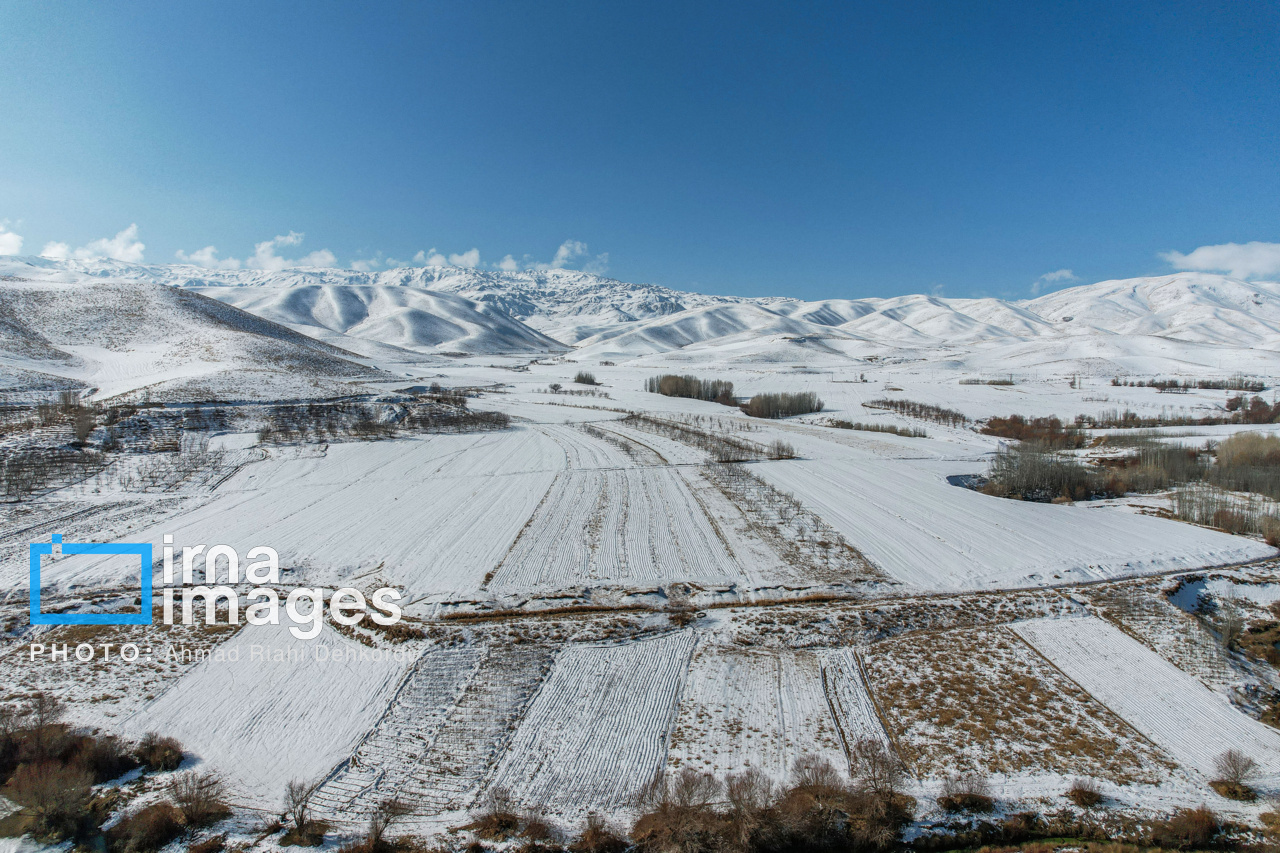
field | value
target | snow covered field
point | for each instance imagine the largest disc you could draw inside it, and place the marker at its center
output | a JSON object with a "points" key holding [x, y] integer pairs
{"points": [[266, 708], [597, 731], [909, 521], [591, 599], [1164, 703]]}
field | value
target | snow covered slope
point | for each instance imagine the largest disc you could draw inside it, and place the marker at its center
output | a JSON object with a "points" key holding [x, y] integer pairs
{"points": [[409, 318], [490, 311], [121, 336]]}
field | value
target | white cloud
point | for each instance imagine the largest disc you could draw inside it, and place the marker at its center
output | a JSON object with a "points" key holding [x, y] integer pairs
{"points": [[125, 246], [207, 257], [1238, 260], [507, 264], [1051, 278], [265, 257], [570, 251], [371, 264], [469, 259], [10, 243]]}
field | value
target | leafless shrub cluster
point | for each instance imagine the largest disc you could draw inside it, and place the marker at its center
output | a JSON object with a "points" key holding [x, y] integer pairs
{"points": [[200, 797], [908, 432], [721, 447], [966, 793], [1235, 771], [819, 810], [691, 387], [441, 411], [783, 404], [923, 411], [26, 471], [1085, 793], [304, 829]]}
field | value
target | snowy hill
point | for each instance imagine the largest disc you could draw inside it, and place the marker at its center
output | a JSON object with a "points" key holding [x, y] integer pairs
{"points": [[1112, 325], [122, 336]]}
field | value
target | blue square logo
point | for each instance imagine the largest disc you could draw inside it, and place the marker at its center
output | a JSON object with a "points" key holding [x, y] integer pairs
{"points": [[40, 549]]}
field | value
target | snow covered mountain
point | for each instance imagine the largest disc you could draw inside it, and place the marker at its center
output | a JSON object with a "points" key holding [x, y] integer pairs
{"points": [[62, 329], [1115, 323]]}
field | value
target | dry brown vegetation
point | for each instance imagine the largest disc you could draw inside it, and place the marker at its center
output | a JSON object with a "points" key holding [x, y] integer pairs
{"points": [[1047, 432], [981, 700], [692, 812]]}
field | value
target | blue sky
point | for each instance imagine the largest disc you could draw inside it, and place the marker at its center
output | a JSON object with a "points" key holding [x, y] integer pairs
{"points": [[836, 150]]}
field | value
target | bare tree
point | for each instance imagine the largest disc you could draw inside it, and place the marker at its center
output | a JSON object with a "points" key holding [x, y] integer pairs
{"points": [[297, 802], [749, 791], [199, 796], [1235, 767], [875, 767], [693, 790], [384, 814], [812, 771], [46, 710]]}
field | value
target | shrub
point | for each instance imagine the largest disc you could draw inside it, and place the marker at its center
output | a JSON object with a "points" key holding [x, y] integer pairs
{"points": [[779, 449], [711, 390], [782, 405], [1235, 771], [1085, 793], [57, 797], [598, 837], [1187, 829], [1271, 530], [306, 831], [924, 411], [498, 820], [103, 758], [200, 797], [147, 830], [969, 793], [584, 377], [212, 844], [1249, 448], [874, 767], [159, 753], [1047, 432]]}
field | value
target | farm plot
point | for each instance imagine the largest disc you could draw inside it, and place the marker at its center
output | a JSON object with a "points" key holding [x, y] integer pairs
{"points": [[907, 520], [597, 731], [378, 506], [106, 692], [1166, 704], [855, 711], [389, 759], [267, 708], [1143, 611], [753, 708], [627, 526], [811, 548], [981, 700], [478, 728]]}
